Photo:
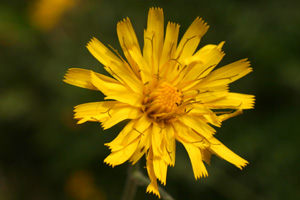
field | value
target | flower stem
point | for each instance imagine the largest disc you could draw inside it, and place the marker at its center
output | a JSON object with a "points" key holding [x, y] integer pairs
{"points": [[135, 178], [142, 180], [130, 185]]}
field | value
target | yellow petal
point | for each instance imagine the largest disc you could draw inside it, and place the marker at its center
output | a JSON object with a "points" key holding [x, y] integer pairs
{"points": [[132, 130], [121, 156], [125, 137], [213, 119], [79, 78], [96, 111], [196, 160], [119, 113], [200, 110], [160, 169], [213, 93], [152, 187], [157, 137], [114, 65], [143, 146], [206, 155], [153, 38], [201, 64], [191, 39], [198, 125], [223, 152], [188, 135], [205, 94], [228, 73], [186, 49], [142, 124], [233, 101], [145, 69], [226, 116], [128, 40], [169, 47], [114, 90], [170, 145]]}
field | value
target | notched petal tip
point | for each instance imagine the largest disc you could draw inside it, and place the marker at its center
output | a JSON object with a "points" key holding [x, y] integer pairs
{"points": [[78, 77], [152, 189], [124, 21], [200, 22], [242, 166], [94, 39], [225, 153], [109, 164], [155, 9]]}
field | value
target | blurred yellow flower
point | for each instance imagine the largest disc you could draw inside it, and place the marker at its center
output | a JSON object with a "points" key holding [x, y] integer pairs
{"points": [[81, 186], [45, 14], [168, 92]]}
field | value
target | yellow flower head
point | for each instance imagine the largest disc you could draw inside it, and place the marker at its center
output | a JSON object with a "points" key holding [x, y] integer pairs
{"points": [[45, 14], [168, 92]]}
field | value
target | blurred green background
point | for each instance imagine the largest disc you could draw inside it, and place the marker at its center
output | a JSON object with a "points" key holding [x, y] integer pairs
{"points": [[44, 155]]}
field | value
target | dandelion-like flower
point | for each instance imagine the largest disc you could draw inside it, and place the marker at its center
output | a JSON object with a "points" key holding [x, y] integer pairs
{"points": [[169, 92]]}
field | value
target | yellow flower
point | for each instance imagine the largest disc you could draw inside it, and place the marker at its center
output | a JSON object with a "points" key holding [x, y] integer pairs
{"points": [[45, 14], [168, 92]]}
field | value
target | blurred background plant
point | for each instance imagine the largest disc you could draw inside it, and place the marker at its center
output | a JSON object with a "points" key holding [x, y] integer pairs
{"points": [[45, 155]]}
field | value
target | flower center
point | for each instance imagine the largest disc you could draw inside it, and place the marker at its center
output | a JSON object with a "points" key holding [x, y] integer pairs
{"points": [[163, 101]]}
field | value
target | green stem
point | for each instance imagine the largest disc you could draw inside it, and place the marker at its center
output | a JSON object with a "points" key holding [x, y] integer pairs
{"points": [[130, 185], [135, 178], [142, 180]]}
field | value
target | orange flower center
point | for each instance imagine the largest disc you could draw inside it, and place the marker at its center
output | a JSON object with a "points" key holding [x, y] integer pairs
{"points": [[163, 101]]}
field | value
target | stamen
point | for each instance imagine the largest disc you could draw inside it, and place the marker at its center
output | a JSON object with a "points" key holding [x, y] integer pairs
{"points": [[163, 102]]}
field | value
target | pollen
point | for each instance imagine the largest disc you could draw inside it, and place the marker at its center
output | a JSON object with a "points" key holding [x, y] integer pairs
{"points": [[163, 100]]}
